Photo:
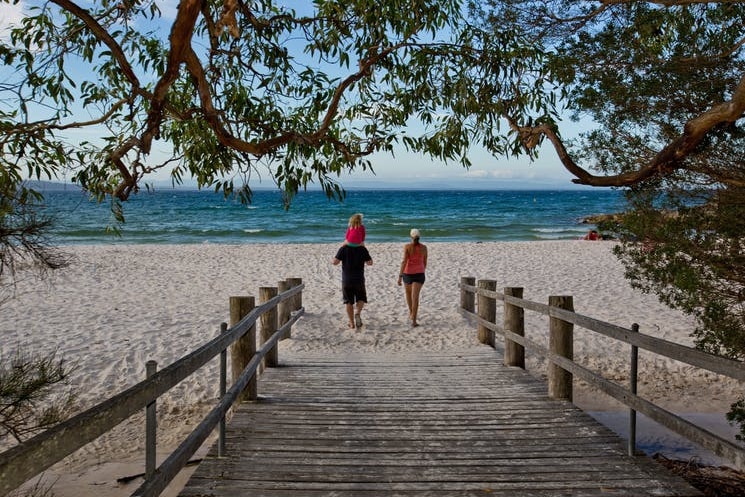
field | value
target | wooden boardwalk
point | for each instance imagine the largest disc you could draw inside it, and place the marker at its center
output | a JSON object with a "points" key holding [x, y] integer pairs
{"points": [[431, 424]]}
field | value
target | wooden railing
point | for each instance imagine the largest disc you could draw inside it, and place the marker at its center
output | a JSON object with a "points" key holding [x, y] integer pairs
{"points": [[562, 368], [277, 311]]}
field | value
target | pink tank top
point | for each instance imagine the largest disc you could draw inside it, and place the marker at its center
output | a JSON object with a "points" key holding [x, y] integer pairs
{"points": [[356, 235], [415, 262]]}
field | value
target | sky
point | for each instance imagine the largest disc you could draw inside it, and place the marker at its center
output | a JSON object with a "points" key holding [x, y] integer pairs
{"points": [[406, 170]]}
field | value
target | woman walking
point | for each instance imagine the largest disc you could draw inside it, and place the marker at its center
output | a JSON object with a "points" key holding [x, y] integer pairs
{"points": [[412, 271]]}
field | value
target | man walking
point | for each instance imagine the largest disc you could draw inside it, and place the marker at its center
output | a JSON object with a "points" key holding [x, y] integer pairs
{"points": [[353, 260]]}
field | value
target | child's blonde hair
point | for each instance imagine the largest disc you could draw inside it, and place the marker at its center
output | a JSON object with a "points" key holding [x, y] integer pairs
{"points": [[355, 221]]}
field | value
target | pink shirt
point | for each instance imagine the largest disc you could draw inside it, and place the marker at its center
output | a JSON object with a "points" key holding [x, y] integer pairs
{"points": [[415, 262], [356, 235]]}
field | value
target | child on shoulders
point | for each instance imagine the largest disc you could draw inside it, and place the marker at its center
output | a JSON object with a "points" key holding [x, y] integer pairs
{"points": [[355, 232]]}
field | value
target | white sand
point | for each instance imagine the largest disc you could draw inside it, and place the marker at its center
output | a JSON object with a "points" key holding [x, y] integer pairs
{"points": [[118, 306]]}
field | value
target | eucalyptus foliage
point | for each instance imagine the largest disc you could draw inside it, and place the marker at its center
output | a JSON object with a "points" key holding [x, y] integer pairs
{"points": [[659, 87], [107, 92]]}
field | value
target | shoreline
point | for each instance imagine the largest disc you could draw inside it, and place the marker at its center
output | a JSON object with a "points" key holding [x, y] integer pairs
{"points": [[118, 306]]}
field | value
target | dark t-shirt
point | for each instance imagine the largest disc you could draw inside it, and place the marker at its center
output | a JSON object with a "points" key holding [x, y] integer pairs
{"points": [[353, 261]]}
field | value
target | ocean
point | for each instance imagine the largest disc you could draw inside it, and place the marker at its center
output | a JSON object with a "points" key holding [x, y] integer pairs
{"points": [[168, 216]]}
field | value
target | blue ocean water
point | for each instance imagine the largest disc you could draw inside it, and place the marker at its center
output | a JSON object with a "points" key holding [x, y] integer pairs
{"points": [[179, 216]]}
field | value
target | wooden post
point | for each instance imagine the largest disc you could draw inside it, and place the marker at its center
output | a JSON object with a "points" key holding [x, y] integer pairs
{"points": [[269, 325], [151, 427], [633, 384], [297, 301], [467, 299], [244, 348], [487, 311], [561, 338], [284, 308], [223, 390], [514, 321]]}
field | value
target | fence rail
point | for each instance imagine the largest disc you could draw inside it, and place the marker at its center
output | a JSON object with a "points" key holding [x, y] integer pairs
{"points": [[28, 459], [562, 367]]}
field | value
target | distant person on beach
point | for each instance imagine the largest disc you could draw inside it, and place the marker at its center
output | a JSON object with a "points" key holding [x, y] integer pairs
{"points": [[412, 271], [354, 293], [593, 235], [355, 232]]}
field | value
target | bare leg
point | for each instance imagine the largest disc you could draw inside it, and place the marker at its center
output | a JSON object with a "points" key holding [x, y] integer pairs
{"points": [[407, 292], [350, 315], [416, 289], [357, 318]]}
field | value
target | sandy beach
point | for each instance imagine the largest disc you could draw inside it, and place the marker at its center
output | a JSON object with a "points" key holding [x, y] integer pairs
{"points": [[118, 306]]}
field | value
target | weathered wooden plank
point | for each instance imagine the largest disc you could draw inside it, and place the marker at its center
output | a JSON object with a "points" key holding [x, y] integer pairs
{"points": [[516, 488], [432, 425], [469, 492], [321, 470]]}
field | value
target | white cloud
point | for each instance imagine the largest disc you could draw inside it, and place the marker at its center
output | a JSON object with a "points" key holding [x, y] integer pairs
{"points": [[500, 173], [508, 174], [476, 173]]}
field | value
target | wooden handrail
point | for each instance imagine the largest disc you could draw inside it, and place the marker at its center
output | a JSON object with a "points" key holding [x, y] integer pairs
{"points": [[168, 470], [704, 360], [710, 362], [22, 462]]}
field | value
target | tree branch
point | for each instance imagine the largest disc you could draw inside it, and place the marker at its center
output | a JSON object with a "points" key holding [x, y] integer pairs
{"points": [[33, 127], [105, 37], [180, 40], [211, 115], [667, 160]]}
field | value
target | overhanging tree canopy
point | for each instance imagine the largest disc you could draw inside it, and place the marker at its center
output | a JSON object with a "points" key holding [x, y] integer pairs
{"points": [[661, 84], [230, 86], [312, 94]]}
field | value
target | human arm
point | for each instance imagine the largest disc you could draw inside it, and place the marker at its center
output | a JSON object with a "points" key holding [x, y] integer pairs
{"points": [[403, 265], [339, 256]]}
